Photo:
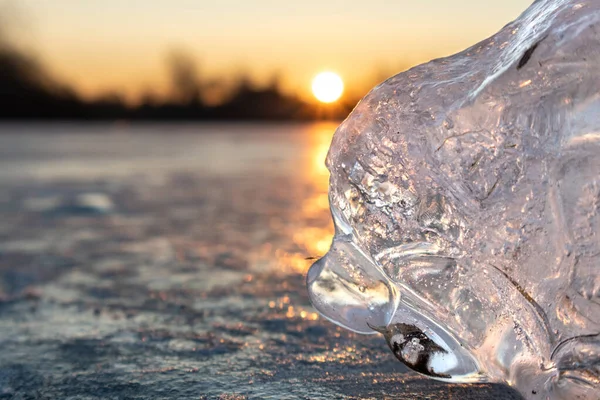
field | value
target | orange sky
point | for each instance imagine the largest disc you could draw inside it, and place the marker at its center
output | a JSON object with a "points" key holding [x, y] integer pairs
{"points": [[121, 45]]}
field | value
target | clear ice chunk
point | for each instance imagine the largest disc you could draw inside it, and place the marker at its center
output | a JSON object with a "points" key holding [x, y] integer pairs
{"points": [[466, 198]]}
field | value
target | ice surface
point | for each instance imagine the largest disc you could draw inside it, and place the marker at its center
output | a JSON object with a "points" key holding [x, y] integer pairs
{"points": [[466, 198]]}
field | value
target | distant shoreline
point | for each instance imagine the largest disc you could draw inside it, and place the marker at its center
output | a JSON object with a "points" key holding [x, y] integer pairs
{"points": [[145, 122]]}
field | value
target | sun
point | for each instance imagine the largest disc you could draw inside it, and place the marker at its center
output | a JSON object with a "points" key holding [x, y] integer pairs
{"points": [[327, 87]]}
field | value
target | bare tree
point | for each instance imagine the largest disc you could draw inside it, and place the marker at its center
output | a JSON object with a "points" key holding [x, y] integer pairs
{"points": [[185, 83]]}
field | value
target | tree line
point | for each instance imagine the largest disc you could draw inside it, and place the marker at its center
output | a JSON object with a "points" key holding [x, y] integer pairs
{"points": [[28, 92]]}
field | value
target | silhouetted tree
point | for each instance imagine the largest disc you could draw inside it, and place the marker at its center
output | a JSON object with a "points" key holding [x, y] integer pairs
{"points": [[185, 84], [27, 91]]}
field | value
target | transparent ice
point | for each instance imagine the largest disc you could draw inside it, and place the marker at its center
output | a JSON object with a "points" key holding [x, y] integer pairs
{"points": [[466, 199]]}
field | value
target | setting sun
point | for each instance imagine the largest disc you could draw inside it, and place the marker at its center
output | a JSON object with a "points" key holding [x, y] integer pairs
{"points": [[327, 87]]}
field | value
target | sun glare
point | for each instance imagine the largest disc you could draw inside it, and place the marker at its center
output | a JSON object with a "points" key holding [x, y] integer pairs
{"points": [[327, 87]]}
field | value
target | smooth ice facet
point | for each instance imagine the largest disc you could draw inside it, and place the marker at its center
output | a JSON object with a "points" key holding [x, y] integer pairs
{"points": [[346, 288], [466, 198]]}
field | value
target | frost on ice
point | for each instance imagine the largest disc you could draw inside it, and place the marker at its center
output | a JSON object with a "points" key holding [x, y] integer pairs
{"points": [[466, 198]]}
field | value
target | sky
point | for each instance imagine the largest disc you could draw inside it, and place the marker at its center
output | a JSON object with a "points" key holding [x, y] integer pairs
{"points": [[100, 46]]}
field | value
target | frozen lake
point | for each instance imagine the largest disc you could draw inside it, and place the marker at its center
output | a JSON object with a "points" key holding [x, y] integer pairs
{"points": [[168, 261]]}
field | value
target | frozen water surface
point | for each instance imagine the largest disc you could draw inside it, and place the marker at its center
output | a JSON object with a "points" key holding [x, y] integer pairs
{"points": [[168, 262], [466, 198]]}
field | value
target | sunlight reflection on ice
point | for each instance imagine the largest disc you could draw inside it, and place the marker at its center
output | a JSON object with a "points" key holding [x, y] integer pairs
{"points": [[313, 240]]}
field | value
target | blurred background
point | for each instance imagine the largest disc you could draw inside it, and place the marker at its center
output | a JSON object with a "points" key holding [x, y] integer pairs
{"points": [[163, 192], [225, 60]]}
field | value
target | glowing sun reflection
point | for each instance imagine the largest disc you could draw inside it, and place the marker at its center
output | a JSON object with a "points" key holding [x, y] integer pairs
{"points": [[315, 233]]}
